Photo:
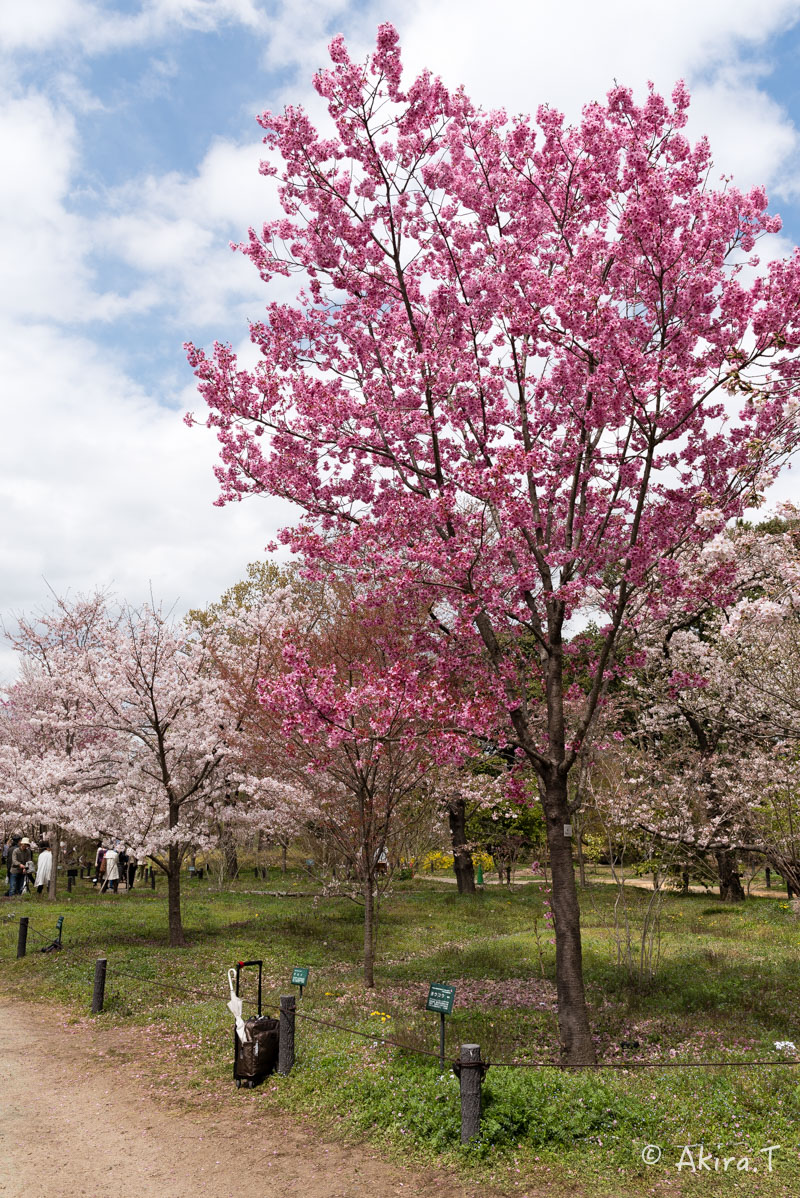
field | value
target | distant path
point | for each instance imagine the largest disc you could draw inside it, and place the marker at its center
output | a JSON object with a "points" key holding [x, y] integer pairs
{"points": [[777, 892], [77, 1119]]}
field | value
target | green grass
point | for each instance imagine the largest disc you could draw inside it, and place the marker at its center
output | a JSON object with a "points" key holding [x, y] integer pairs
{"points": [[726, 988]]}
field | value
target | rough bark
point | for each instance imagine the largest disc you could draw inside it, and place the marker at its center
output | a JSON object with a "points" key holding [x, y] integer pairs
{"points": [[55, 848], [369, 932], [176, 936], [577, 1046], [576, 824], [730, 880], [229, 854], [462, 857]]}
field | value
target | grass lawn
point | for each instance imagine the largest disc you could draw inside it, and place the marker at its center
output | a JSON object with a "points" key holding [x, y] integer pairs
{"points": [[727, 987]]}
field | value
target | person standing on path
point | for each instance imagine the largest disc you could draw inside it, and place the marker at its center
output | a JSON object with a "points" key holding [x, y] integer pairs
{"points": [[111, 862], [99, 857], [9, 851], [44, 867], [20, 856]]}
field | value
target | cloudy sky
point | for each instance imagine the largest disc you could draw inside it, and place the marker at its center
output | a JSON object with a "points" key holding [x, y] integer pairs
{"points": [[129, 157]]}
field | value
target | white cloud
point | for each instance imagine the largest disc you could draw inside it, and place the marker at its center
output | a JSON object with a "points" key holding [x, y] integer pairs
{"points": [[175, 229], [566, 54], [45, 247], [99, 27], [99, 484]]}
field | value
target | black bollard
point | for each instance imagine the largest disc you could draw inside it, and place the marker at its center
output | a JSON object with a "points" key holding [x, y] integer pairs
{"points": [[70, 880], [286, 1034], [152, 879], [22, 939], [470, 1076], [99, 992]]}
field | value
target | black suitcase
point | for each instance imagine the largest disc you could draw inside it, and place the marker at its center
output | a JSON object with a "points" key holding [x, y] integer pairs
{"points": [[258, 1057]]}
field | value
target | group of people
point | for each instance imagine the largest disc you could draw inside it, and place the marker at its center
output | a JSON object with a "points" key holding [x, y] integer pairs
{"points": [[21, 873], [113, 864]]}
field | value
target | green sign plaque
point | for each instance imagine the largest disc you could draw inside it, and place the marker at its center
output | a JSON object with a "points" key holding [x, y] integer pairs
{"points": [[440, 998], [299, 977]]}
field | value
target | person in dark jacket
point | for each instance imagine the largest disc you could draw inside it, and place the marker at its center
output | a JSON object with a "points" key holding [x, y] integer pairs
{"points": [[8, 849], [20, 856]]}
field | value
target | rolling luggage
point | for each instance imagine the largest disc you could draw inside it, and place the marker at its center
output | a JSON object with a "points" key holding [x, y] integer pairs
{"points": [[258, 1056]]}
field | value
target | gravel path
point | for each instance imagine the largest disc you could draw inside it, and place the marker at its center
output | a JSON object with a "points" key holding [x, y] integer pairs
{"points": [[73, 1123]]}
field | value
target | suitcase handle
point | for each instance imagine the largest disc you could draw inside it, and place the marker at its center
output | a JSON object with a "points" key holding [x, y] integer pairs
{"points": [[240, 965]]}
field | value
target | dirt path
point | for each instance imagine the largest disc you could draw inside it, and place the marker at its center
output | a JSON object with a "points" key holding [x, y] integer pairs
{"points": [[71, 1125]]}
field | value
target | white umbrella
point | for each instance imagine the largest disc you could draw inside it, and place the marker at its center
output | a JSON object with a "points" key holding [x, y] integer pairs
{"points": [[235, 1008]]}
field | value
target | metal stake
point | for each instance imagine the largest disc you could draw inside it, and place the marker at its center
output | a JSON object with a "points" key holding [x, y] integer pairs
{"points": [[441, 1041]]}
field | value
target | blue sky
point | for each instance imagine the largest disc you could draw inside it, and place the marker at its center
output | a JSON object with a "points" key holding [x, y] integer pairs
{"points": [[130, 155]]}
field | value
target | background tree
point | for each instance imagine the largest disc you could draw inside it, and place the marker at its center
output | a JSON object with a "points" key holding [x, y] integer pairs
{"points": [[49, 749], [140, 739], [341, 719]]}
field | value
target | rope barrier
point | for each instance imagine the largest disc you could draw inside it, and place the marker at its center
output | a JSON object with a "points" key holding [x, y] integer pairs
{"points": [[621, 1066], [206, 994], [616, 1066], [425, 1052]]}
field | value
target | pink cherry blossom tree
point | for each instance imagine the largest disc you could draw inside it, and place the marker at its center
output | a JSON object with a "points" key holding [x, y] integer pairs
{"points": [[340, 730], [526, 370]]}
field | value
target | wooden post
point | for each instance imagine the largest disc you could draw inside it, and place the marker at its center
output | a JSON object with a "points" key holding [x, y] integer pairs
{"points": [[22, 939], [470, 1076], [286, 1034], [70, 880], [99, 985]]}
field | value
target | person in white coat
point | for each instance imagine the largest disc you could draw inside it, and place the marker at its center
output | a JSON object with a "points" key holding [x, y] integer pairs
{"points": [[44, 867], [111, 862]]}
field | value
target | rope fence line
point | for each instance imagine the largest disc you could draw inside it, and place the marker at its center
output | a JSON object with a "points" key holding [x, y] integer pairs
{"points": [[619, 1066], [425, 1052], [616, 1066], [623, 1066]]}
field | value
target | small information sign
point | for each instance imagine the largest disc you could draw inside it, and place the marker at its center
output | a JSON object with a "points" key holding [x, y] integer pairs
{"points": [[440, 998], [300, 978]]}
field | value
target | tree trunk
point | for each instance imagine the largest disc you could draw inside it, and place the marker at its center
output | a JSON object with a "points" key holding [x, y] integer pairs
{"points": [[284, 850], [230, 856], [462, 857], [369, 933], [577, 1047], [577, 829], [176, 936], [55, 842], [730, 881]]}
